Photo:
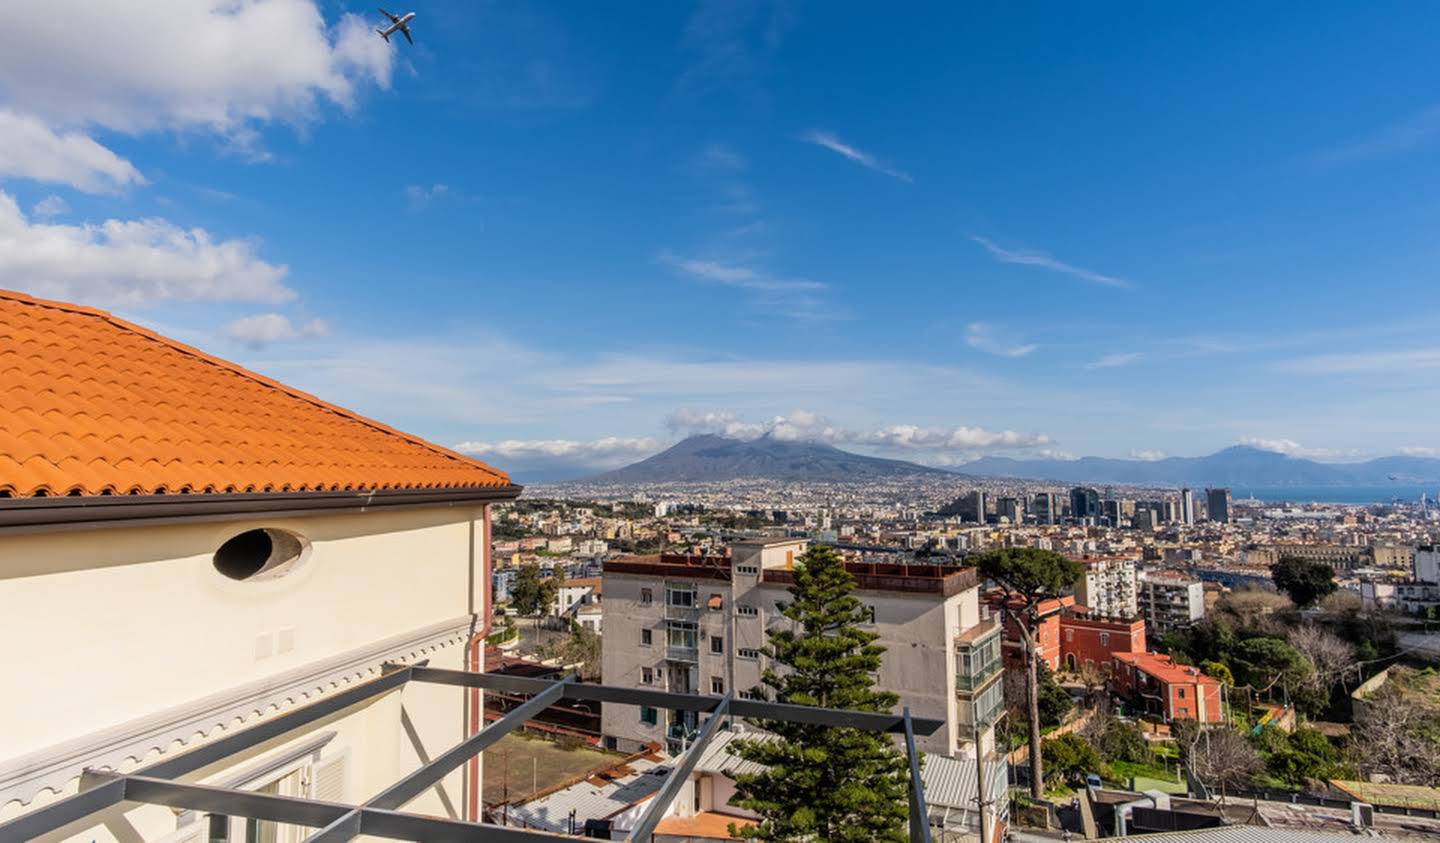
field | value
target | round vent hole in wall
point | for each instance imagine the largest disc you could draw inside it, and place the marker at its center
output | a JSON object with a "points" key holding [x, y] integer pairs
{"points": [[261, 554]]}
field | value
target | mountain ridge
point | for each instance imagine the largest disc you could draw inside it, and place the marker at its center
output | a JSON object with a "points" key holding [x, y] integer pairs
{"points": [[708, 458], [1237, 466]]}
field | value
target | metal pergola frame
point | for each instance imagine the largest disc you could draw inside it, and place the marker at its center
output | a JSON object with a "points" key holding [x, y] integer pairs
{"points": [[381, 816]]}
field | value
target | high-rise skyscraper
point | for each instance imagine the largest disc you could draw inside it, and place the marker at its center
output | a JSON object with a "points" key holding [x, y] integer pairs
{"points": [[1217, 505], [1084, 503], [1187, 506], [1045, 511]]}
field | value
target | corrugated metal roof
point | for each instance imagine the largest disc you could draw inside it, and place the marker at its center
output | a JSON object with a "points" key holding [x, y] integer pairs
{"points": [[1244, 834], [552, 811]]}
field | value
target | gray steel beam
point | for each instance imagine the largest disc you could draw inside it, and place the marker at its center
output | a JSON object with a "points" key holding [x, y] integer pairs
{"points": [[414, 784], [218, 750], [344, 829], [232, 802], [644, 831], [865, 721], [58, 814], [919, 812]]}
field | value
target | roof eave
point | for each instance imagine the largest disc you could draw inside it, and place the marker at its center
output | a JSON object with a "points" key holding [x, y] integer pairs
{"points": [[48, 514]]}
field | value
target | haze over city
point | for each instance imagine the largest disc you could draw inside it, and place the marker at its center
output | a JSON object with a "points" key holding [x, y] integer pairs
{"points": [[563, 239]]}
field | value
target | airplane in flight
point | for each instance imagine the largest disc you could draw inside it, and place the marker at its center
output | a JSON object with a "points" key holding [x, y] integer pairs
{"points": [[398, 23]]}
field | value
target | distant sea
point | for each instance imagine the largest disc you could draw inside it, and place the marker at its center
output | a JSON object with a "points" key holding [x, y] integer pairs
{"points": [[1336, 494]]}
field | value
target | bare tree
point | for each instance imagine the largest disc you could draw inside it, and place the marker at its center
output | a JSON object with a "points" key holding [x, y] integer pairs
{"points": [[1254, 607], [1397, 734], [1218, 757], [1332, 656]]}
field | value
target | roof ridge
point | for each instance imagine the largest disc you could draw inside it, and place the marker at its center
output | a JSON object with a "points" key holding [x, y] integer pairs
{"points": [[153, 336]]}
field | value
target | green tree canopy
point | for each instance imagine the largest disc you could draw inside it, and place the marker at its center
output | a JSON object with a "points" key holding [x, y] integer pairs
{"points": [[1029, 571], [1264, 663], [1306, 582], [1069, 758], [824, 783], [532, 594]]}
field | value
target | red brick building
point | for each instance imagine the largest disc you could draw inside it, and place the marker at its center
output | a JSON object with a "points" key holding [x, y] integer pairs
{"points": [[1159, 686], [1093, 641]]}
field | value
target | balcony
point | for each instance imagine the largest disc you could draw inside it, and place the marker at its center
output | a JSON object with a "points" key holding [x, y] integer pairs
{"points": [[977, 656], [677, 612], [682, 653], [982, 709]]}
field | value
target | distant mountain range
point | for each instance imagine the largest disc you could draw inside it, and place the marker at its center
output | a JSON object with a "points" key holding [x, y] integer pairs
{"points": [[1239, 466], [709, 459], [713, 459]]}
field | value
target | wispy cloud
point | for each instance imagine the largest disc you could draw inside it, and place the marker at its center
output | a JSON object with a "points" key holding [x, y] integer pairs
{"points": [[829, 141], [1413, 132], [794, 297], [1112, 361], [1364, 361], [1044, 261], [982, 336], [1419, 451], [608, 450], [419, 196]]}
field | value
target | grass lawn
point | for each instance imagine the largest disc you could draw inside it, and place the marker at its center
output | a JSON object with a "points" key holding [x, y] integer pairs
{"points": [[534, 763]]}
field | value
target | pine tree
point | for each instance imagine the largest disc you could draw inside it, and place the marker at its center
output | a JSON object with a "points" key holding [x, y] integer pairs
{"points": [[821, 783]]}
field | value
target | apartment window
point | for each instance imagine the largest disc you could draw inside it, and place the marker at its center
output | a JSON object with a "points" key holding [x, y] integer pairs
{"points": [[1104, 639], [717, 644], [1069, 635], [682, 597], [647, 676], [747, 611], [751, 695], [646, 597], [645, 638], [717, 685], [747, 653], [648, 715], [1182, 693], [752, 570]]}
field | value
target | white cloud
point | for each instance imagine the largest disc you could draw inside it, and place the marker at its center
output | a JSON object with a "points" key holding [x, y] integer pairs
{"points": [[829, 141], [420, 195], [1291, 448], [1419, 451], [1111, 361], [984, 337], [32, 150], [263, 329], [50, 206], [131, 262], [1147, 455], [219, 65], [1364, 361], [1044, 261], [608, 450], [803, 425]]}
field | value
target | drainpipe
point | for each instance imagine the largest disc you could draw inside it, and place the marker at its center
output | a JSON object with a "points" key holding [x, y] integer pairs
{"points": [[480, 623]]}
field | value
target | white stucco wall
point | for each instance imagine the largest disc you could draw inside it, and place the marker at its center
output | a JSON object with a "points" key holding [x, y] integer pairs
{"points": [[111, 629]]}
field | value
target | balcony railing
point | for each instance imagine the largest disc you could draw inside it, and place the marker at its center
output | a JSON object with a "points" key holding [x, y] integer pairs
{"points": [[681, 653]]}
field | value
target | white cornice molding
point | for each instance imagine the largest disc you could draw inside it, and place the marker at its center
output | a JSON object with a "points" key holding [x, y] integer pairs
{"points": [[57, 769]]}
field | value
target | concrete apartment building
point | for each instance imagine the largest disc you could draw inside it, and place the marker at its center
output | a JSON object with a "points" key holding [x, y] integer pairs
{"points": [[698, 624], [1107, 587], [1169, 601], [189, 549]]}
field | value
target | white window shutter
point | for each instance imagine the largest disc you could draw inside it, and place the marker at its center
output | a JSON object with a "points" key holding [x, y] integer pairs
{"points": [[328, 779]]}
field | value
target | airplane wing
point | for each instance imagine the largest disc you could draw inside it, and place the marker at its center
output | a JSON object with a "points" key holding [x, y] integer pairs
{"points": [[405, 30], [393, 18]]}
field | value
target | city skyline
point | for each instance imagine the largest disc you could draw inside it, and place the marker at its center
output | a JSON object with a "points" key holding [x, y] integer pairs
{"points": [[576, 238]]}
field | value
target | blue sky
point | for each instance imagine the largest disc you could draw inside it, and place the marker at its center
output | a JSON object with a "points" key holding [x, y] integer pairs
{"points": [[564, 235]]}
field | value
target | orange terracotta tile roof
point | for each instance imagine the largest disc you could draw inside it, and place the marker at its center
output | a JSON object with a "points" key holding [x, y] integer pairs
{"points": [[91, 405]]}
